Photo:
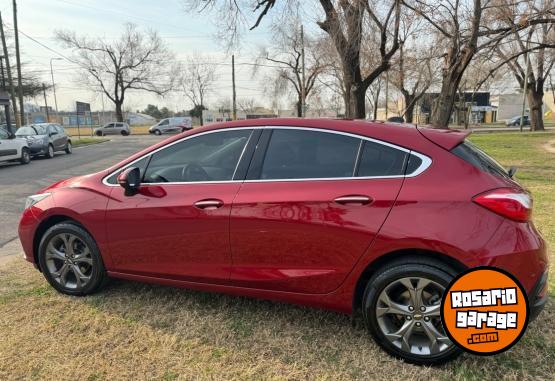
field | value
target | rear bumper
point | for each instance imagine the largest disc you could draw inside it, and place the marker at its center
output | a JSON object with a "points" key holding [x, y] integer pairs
{"points": [[537, 298]]}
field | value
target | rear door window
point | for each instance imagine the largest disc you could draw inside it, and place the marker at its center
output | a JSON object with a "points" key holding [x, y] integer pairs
{"points": [[304, 154], [479, 159]]}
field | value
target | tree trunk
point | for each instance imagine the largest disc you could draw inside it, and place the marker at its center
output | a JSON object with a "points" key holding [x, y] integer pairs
{"points": [[409, 107], [535, 103], [443, 104], [119, 111], [299, 108]]}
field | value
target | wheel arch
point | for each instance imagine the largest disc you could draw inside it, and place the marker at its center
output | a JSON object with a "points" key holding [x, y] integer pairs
{"points": [[429, 256], [46, 224]]}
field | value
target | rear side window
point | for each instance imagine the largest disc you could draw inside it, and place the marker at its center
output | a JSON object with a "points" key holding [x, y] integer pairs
{"points": [[381, 160], [300, 154], [478, 158]]}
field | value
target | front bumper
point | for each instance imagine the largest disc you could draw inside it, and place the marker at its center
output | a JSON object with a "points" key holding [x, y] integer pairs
{"points": [[37, 149]]}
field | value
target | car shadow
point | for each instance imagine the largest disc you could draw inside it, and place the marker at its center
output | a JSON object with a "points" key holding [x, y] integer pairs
{"points": [[240, 323]]}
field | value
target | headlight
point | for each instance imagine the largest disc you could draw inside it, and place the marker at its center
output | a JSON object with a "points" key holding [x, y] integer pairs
{"points": [[32, 200]]}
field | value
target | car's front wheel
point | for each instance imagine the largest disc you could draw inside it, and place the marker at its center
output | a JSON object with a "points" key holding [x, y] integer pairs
{"points": [[69, 148], [50, 151], [401, 307], [70, 260], [25, 156]]}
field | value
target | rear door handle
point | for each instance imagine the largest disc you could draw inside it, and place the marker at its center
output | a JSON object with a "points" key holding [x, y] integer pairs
{"points": [[353, 200], [210, 204]]}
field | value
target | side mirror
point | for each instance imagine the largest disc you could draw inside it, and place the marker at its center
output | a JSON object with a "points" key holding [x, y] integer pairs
{"points": [[52, 134], [130, 180]]}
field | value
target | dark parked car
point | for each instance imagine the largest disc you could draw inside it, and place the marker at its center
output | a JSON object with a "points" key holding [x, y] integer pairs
{"points": [[45, 139], [351, 216], [515, 121]]}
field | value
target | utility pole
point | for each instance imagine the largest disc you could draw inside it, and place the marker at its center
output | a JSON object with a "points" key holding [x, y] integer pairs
{"points": [[9, 73], [45, 103], [525, 85], [2, 71], [303, 88], [234, 91], [18, 61], [53, 84]]}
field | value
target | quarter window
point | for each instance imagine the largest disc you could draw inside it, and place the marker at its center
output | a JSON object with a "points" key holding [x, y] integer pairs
{"points": [[209, 157], [381, 160], [301, 154]]}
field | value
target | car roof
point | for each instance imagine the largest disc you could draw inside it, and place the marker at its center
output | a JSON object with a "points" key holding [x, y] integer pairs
{"points": [[397, 133]]}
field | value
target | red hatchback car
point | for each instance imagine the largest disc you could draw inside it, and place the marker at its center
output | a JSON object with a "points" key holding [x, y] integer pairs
{"points": [[350, 216]]}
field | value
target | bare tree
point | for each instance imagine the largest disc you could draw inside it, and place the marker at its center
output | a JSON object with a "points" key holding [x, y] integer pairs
{"points": [[463, 29], [246, 104], [197, 80], [285, 51], [539, 44], [137, 61], [346, 22], [413, 69]]}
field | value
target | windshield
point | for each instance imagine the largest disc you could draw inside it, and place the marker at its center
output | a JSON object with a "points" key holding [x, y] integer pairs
{"points": [[26, 131]]}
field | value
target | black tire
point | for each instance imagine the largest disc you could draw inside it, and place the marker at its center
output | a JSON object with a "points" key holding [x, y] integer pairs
{"points": [[25, 156], [124, 133], [99, 133], [69, 148], [97, 272], [157, 132], [50, 151], [388, 277]]}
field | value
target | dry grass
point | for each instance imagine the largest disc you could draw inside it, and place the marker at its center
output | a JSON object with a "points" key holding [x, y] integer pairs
{"points": [[136, 331]]}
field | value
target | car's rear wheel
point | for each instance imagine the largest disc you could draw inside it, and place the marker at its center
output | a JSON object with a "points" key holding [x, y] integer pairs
{"points": [[124, 133], [401, 307], [70, 260], [25, 156], [50, 151], [69, 148]]}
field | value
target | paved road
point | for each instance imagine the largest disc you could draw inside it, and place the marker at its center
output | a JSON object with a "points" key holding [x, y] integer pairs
{"points": [[18, 181]]}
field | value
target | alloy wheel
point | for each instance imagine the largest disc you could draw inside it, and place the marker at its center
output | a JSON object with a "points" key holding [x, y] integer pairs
{"points": [[69, 261], [408, 314]]}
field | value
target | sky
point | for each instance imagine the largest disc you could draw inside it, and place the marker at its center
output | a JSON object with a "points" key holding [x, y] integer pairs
{"points": [[184, 33]]}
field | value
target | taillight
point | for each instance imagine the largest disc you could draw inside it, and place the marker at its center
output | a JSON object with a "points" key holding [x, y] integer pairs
{"points": [[511, 203]]}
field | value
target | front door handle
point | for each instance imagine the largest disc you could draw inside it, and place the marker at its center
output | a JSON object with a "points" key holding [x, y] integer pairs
{"points": [[209, 204], [353, 200]]}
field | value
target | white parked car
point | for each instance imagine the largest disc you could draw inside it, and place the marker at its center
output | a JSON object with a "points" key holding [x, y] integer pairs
{"points": [[113, 128], [13, 149], [172, 125]]}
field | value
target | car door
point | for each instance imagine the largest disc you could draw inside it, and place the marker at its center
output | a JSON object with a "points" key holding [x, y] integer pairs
{"points": [[119, 128], [8, 147], [311, 205], [62, 136], [54, 137], [163, 126], [177, 226]]}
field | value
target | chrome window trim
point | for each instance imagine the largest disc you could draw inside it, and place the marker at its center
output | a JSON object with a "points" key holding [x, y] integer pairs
{"points": [[426, 161]]}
